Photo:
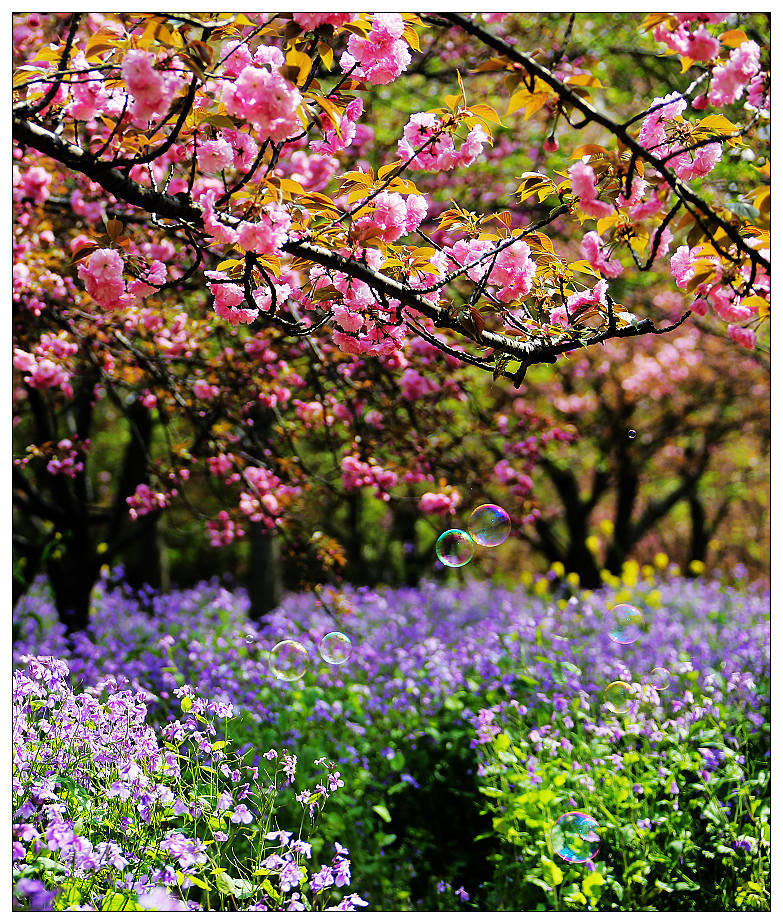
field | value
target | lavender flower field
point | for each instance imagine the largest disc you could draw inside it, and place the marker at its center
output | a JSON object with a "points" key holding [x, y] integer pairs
{"points": [[164, 764]]}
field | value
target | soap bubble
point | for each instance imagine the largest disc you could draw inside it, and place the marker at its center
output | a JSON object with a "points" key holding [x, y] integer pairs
{"points": [[626, 624], [574, 838], [335, 648], [632, 434], [617, 697], [660, 678], [489, 525], [454, 548], [288, 660]]}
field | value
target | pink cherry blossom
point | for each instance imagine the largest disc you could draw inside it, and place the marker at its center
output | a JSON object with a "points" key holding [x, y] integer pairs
{"points": [[653, 131], [266, 100], [514, 271], [440, 504], [583, 185], [335, 141], [269, 233], [311, 21], [592, 248], [743, 336], [383, 55], [731, 78], [699, 45], [145, 500], [683, 264], [102, 275], [214, 156]]}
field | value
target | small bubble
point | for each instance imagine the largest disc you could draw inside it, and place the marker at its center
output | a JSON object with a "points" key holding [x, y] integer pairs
{"points": [[574, 837], [489, 525], [454, 548], [626, 624], [335, 648], [288, 660], [617, 697], [632, 434], [660, 678]]}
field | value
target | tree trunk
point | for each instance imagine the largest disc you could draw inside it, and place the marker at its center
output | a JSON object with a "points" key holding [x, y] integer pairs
{"points": [[72, 576], [700, 535], [264, 580]]}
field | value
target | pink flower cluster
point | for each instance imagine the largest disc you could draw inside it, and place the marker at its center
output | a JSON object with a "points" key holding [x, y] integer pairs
{"points": [[583, 186], [358, 474], [43, 370], [204, 391], [414, 385], [335, 140], [214, 156], [440, 504], [268, 234], [223, 531], [65, 463], [145, 500], [513, 269], [521, 484], [513, 272], [228, 296], [590, 297], [638, 208], [697, 45], [266, 100], [391, 217], [593, 250], [151, 90], [103, 279], [312, 171], [361, 325], [653, 135], [265, 502], [89, 95], [32, 184], [150, 278], [730, 79], [713, 294], [311, 21], [439, 153], [383, 55]]}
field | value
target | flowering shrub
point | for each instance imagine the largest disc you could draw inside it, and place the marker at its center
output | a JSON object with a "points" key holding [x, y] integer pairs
{"points": [[457, 700], [111, 815]]}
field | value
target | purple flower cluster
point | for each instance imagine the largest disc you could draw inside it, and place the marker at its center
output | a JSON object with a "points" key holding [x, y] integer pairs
{"points": [[89, 764]]}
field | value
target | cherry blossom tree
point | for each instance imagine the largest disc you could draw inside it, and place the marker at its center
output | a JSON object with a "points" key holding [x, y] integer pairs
{"points": [[214, 240]]}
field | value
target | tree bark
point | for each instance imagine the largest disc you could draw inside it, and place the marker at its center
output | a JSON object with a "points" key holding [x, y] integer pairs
{"points": [[264, 582], [73, 574]]}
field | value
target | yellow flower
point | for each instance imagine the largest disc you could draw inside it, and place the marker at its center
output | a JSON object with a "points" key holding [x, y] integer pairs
{"points": [[661, 560]]}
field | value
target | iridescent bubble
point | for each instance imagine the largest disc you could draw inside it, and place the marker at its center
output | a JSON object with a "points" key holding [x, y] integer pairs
{"points": [[489, 525], [626, 624], [574, 837], [632, 434], [660, 678], [617, 697], [335, 648], [288, 660], [454, 548]]}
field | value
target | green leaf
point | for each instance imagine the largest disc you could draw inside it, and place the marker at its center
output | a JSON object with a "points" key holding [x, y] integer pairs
{"points": [[552, 872], [383, 812], [502, 742], [592, 885]]}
